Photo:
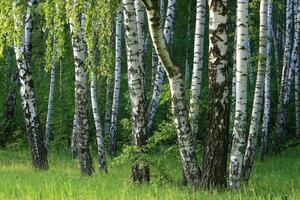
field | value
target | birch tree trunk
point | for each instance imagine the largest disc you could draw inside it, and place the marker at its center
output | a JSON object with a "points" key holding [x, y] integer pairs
{"points": [[99, 137], [160, 72], [117, 84], [267, 88], [239, 128], [50, 98], [187, 50], [285, 79], [140, 19], [233, 87], [79, 52], [250, 66], [73, 149], [108, 104], [23, 51], [295, 63], [216, 143], [184, 134], [259, 92], [136, 84], [197, 65]]}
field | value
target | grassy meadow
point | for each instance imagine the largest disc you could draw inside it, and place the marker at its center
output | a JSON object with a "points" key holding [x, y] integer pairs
{"points": [[277, 178]]}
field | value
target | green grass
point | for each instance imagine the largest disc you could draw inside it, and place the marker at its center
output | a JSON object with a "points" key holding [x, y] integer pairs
{"points": [[277, 178]]}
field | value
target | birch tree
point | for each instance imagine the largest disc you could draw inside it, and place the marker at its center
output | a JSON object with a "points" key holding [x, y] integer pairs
{"points": [[136, 84], [239, 128], [197, 65], [160, 72], [117, 84], [22, 48], [285, 79], [259, 91], [50, 98], [77, 21], [184, 134], [267, 87], [216, 142], [295, 63]]}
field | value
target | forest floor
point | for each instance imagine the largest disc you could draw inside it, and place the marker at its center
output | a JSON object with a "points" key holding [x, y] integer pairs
{"points": [[277, 178]]}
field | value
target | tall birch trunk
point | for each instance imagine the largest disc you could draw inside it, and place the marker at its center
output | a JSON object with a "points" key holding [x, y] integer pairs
{"points": [[216, 143], [117, 84], [197, 65], [136, 84], [259, 92], [267, 88], [295, 63], [187, 50], [50, 98], [250, 66], [233, 87], [285, 79], [184, 134], [160, 72], [99, 137], [81, 86], [23, 51], [239, 128]]}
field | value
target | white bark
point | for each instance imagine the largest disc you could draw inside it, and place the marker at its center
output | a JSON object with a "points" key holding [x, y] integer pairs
{"points": [[117, 84], [81, 86], [51, 96], [188, 38], [23, 51], [250, 66], [259, 91], [285, 79], [136, 85], [267, 87], [295, 63], [108, 103], [181, 120], [239, 129], [73, 149], [197, 65], [99, 137], [160, 72]]}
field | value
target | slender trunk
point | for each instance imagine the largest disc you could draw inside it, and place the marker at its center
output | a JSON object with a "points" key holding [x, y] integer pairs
{"points": [[108, 104], [259, 92], [99, 137], [154, 55], [184, 134], [73, 149], [239, 128], [79, 52], [233, 87], [23, 51], [285, 80], [50, 99], [160, 72], [116, 94], [295, 64], [250, 66], [267, 95], [216, 143], [140, 20], [187, 50], [197, 65], [136, 84]]}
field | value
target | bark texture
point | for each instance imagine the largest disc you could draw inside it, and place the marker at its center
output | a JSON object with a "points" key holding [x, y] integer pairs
{"points": [[23, 51], [239, 128], [79, 52], [197, 65], [117, 84], [136, 84], [184, 134], [259, 91], [216, 143]]}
